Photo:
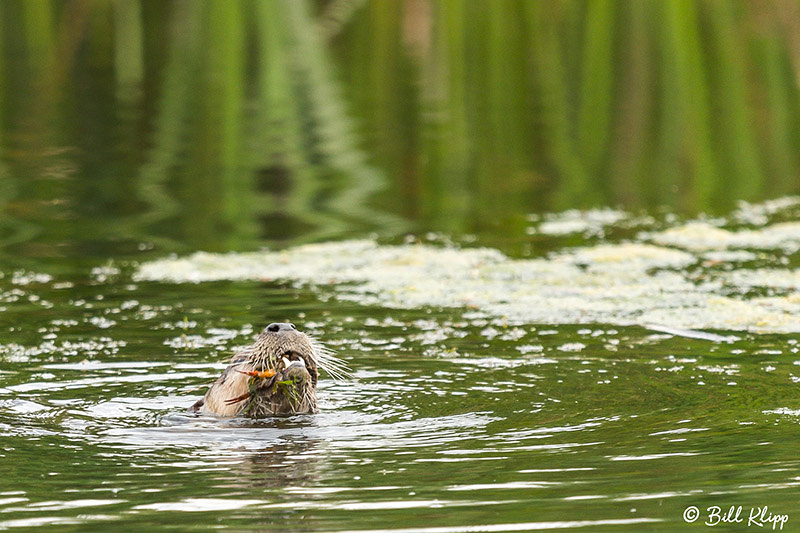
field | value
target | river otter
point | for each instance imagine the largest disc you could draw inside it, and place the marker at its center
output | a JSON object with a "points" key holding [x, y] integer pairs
{"points": [[277, 374]]}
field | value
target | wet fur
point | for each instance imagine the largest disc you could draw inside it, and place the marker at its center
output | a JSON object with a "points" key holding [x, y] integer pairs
{"points": [[272, 396], [231, 384]]}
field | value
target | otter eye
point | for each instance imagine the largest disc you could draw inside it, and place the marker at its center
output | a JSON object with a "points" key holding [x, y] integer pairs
{"points": [[273, 327]]}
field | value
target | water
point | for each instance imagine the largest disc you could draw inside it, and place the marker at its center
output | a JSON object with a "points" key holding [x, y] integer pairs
{"points": [[453, 418], [556, 246]]}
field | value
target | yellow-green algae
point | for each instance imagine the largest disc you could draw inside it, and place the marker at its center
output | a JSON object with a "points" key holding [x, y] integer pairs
{"points": [[621, 283], [702, 236]]}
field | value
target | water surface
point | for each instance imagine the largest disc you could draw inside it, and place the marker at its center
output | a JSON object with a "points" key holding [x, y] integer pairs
{"points": [[457, 415]]}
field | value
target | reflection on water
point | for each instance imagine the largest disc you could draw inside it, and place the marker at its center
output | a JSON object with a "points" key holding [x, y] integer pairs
{"points": [[224, 125]]}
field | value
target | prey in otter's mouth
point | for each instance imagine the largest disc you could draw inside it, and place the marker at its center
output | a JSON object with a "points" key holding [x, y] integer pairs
{"points": [[275, 375]]}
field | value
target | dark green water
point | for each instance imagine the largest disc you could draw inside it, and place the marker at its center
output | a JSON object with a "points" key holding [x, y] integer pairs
{"points": [[435, 431], [130, 131]]}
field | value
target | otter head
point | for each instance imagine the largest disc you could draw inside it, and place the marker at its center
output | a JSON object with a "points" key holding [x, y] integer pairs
{"points": [[277, 374], [281, 347], [294, 358]]}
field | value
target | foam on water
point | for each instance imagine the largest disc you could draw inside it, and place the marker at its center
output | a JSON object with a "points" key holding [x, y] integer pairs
{"points": [[589, 223], [701, 236], [618, 283]]}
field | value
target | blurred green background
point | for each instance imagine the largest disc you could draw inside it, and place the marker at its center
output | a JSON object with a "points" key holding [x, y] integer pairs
{"points": [[227, 125]]}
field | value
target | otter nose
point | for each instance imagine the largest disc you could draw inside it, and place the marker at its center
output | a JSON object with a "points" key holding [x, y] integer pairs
{"points": [[275, 327]]}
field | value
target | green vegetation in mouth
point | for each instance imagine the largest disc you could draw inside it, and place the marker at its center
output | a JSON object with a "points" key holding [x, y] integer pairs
{"points": [[290, 388]]}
